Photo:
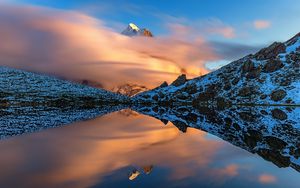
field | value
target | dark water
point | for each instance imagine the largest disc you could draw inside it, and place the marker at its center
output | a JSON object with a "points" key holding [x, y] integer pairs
{"points": [[198, 148]]}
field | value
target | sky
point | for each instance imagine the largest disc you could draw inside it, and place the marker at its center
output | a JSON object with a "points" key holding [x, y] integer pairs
{"points": [[72, 38]]}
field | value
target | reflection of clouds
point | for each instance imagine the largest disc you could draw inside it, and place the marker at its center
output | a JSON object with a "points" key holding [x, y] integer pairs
{"points": [[72, 45], [87, 151], [267, 178]]}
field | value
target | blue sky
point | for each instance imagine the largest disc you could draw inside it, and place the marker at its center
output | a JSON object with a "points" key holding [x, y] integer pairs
{"points": [[238, 14]]}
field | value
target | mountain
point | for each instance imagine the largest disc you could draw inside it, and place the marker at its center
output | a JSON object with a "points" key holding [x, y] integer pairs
{"points": [[130, 89], [271, 76], [90, 83], [133, 30], [21, 88]]}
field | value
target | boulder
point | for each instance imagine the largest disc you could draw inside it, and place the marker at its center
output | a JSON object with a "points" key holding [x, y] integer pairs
{"points": [[279, 114], [271, 52], [278, 95], [180, 80], [272, 66], [275, 143]]}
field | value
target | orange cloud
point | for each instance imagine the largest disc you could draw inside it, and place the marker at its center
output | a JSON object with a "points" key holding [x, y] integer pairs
{"points": [[261, 24], [75, 46], [267, 178]]}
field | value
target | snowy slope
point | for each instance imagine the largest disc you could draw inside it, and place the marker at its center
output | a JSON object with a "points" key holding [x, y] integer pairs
{"points": [[18, 86], [271, 132], [271, 76]]}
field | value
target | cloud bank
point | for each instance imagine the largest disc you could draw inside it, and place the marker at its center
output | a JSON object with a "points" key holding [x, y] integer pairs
{"points": [[75, 46]]}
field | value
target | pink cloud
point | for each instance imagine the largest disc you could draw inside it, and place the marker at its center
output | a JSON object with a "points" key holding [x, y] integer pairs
{"points": [[267, 178], [75, 46], [261, 24], [225, 31]]}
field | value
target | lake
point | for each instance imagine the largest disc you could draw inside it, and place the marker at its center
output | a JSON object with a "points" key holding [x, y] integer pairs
{"points": [[129, 149]]}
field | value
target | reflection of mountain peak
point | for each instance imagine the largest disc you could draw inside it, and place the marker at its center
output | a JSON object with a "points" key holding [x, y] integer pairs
{"points": [[134, 174], [134, 30]]}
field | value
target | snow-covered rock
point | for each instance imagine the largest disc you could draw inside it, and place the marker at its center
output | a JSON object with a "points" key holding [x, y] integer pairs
{"points": [[271, 76]]}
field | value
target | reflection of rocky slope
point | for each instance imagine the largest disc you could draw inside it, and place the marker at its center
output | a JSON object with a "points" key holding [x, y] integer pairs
{"points": [[271, 76], [18, 120], [271, 132]]}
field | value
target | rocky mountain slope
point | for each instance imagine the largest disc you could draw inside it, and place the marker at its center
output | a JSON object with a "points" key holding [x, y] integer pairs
{"points": [[25, 87], [133, 30], [271, 76]]}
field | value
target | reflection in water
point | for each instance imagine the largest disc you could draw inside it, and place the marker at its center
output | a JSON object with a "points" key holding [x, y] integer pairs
{"points": [[21, 119], [110, 150], [135, 173], [271, 132]]}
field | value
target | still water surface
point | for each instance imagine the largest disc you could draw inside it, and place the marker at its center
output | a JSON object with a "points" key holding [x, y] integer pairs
{"points": [[127, 149]]}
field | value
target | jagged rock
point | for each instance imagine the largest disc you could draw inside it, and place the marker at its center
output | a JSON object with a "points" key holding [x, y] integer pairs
{"points": [[246, 91], [236, 126], [235, 81], [275, 143], [148, 169], [164, 84], [164, 121], [180, 125], [191, 89], [247, 116], [275, 157], [271, 51], [247, 66], [278, 95], [180, 80], [254, 73], [206, 96], [147, 33], [155, 97], [263, 112], [263, 96], [227, 86], [252, 137], [272, 66], [279, 114]]}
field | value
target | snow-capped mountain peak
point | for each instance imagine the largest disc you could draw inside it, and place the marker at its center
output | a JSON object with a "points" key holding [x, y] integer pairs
{"points": [[134, 30], [134, 27]]}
